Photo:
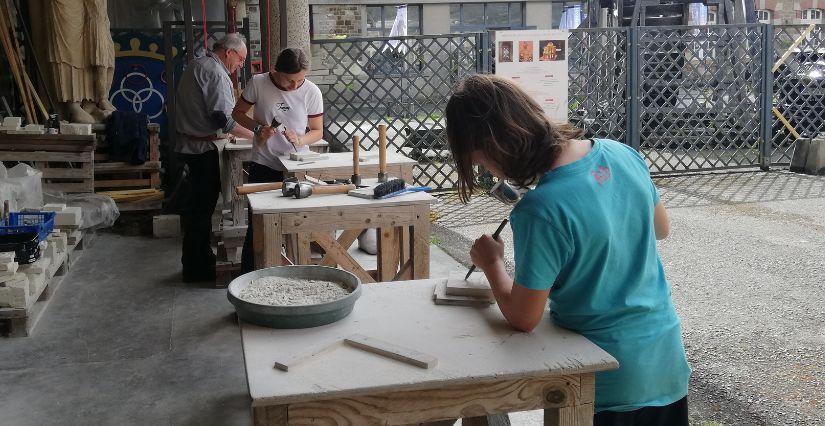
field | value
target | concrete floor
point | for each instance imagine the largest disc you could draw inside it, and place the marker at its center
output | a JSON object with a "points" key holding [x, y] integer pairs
{"points": [[125, 342]]}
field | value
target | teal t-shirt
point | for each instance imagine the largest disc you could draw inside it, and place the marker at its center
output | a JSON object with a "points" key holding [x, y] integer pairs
{"points": [[586, 232]]}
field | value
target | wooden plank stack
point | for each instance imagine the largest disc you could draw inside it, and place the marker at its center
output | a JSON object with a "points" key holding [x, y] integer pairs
{"points": [[133, 187], [67, 161]]}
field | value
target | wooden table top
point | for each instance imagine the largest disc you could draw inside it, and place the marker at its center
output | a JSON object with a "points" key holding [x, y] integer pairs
{"points": [[472, 345], [275, 202]]}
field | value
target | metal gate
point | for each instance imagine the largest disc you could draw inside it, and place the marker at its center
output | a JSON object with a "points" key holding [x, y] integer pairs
{"points": [[798, 74], [699, 94]]}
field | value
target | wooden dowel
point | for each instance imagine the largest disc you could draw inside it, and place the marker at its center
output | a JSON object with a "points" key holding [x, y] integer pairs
{"points": [[356, 146], [27, 93], [382, 149], [7, 48]]}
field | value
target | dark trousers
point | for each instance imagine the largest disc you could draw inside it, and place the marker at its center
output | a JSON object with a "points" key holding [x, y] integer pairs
{"points": [[202, 189], [675, 414], [257, 174]]}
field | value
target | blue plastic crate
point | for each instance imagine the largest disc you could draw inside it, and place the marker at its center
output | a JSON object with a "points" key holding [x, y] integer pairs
{"points": [[41, 223]]}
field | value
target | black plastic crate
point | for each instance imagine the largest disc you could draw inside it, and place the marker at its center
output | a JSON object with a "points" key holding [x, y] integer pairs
{"points": [[24, 245]]}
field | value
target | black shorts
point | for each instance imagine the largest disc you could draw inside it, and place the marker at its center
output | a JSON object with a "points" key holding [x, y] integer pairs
{"points": [[675, 414]]}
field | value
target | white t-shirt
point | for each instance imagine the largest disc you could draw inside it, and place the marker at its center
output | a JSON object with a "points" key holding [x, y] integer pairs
{"points": [[293, 108]]}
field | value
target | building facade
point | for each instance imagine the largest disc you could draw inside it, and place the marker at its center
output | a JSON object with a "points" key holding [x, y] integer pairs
{"points": [[783, 12]]}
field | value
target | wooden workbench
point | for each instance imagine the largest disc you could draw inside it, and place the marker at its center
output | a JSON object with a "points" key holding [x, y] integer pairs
{"points": [[483, 366], [337, 166], [403, 224]]}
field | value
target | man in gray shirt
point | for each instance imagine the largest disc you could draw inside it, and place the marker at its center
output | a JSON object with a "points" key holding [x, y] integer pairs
{"points": [[202, 120]]}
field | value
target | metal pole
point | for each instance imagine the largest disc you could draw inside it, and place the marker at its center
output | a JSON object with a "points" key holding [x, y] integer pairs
{"points": [[189, 32], [633, 114], [283, 25], [766, 133]]}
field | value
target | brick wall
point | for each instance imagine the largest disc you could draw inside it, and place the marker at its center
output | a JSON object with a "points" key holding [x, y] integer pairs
{"points": [[330, 20]]}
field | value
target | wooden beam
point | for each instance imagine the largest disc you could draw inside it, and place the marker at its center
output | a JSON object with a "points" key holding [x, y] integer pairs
{"points": [[341, 256], [344, 240], [449, 402]]}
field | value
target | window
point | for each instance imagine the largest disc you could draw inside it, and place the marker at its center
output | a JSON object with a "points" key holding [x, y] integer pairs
{"points": [[764, 16], [480, 16], [380, 20], [811, 16], [712, 19], [567, 15]]}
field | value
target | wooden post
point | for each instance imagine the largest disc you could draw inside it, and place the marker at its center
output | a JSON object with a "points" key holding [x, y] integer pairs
{"points": [[388, 253], [421, 244]]}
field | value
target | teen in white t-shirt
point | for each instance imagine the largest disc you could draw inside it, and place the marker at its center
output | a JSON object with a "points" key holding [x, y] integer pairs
{"points": [[293, 108], [285, 94]]}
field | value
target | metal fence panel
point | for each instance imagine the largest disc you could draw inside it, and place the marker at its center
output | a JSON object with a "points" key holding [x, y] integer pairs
{"points": [[403, 82], [700, 100], [597, 91], [799, 87]]}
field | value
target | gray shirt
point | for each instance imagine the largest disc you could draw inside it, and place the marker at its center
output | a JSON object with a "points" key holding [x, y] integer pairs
{"points": [[205, 103]]}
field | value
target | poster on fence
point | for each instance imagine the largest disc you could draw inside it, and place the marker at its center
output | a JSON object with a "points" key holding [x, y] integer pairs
{"points": [[537, 61]]}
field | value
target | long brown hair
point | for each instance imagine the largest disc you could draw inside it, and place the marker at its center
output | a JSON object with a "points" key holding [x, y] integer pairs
{"points": [[492, 115]]}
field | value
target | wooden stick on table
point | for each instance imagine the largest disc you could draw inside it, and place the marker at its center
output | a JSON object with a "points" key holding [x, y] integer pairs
{"points": [[356, 146], [380, 347], [382, 152]]}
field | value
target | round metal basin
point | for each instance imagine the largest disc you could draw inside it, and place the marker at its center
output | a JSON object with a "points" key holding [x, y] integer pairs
{"points": [[302, 316]]}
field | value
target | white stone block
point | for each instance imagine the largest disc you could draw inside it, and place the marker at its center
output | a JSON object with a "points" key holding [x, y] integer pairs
{"points": [[70, 216], [8, 267], [54, 207], [75, 129], [15, 122], [7, 256], [37, 267], [15, 293], [59, 239]]}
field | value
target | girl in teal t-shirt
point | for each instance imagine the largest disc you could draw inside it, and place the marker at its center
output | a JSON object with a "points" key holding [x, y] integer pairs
{"points": [[584, 238]]}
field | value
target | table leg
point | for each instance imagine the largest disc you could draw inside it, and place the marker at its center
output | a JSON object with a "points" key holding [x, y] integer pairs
{"points": [[421, 243], [388, 254], [578, 414], [266, 241], [270, 416], [236, 179]]}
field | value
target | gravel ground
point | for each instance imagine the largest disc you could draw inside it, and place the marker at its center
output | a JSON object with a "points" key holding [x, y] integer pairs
{"points": [[277, 291], [746, 264]]}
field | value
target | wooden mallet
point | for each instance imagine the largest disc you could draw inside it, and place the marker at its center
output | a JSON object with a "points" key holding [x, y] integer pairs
{"points": [[356, 146], [382, 153]]}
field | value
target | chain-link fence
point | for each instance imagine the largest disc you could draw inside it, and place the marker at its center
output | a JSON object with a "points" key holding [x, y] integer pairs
{"points": [[597, 93], [688, 98], [700, 96], [401, 82]]}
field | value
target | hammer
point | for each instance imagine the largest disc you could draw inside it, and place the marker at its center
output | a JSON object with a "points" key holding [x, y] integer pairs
{"points": [[303, 189], [252, 188]]}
